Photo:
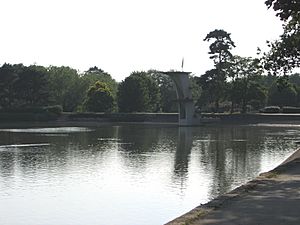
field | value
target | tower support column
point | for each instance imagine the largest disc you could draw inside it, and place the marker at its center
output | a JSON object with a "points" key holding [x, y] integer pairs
{"points": [[186, 108]]}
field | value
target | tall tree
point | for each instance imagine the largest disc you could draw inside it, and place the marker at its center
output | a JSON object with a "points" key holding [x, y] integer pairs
{"points": [[220, 47], [215, 79]]}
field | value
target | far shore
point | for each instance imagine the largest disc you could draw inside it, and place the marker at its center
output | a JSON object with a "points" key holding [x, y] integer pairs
{"points": [[164, 119]]}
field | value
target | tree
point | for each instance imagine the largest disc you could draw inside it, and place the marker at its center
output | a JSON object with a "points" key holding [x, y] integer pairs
{"points": [[295, 79], [196, 90], [8, 76], [166, 89], [66, 87], [282, 93], [138, 93], [215, 79], [286, 9], [248, 92], [284, 53], [95, 74], [31, 88], [220, 48], [99, 98], [214, 87], [23, 86], [245, 73]]}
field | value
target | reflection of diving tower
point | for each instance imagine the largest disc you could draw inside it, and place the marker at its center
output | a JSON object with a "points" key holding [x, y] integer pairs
{"points": [[186, 106]]}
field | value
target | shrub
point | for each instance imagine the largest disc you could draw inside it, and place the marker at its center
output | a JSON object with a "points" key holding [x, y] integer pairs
{"points": [[24, 110], [55, 109]]}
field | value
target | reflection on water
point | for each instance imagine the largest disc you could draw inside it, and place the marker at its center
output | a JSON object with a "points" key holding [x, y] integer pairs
{"points": [[48, 130], [23, 145], [128, 174]]}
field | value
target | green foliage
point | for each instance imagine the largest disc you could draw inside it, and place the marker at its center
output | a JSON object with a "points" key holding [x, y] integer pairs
{"points": [[55, 109], [284, 53], [99, 98], [139, 93], [214, 86], [14, 117], [256, 96], [213, 82], [267, 81], [295, 79], [282, 93], [286, 9], [32, 87], [167, 91], [8, 77], [94, 74], [66, 87], [220, 48], [245, 73], [30, 113], [23, 86]]}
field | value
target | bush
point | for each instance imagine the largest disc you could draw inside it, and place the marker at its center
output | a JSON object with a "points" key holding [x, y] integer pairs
{"points": [[31, 113], [99, 98], [13, 117], [55, 109], [24, 110]]}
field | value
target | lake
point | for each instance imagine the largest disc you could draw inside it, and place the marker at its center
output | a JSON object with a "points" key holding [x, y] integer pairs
{"points": [[129, 175]]}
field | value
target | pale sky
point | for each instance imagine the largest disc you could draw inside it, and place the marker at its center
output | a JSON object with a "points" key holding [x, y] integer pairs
{"points": [[121, 36]]}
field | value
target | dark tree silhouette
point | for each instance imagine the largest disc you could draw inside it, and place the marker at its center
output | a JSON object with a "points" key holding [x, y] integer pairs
{"points": [[284, 53]]}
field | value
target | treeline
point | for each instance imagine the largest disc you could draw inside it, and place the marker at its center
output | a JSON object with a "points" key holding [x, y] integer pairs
{"points": [[251, 94], [36, 86], [242, 88], [24, 87], [242, 83]]}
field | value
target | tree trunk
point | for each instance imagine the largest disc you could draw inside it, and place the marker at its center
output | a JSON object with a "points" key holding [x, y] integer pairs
{"points": [[217, 106], [232, 107], [244, 106]]}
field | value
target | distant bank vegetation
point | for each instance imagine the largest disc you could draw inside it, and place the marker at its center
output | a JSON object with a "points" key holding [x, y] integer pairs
{"points": [[39, 89]]}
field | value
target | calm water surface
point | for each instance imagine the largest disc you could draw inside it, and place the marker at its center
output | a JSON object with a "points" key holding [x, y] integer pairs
{"points": [[128, 175]]}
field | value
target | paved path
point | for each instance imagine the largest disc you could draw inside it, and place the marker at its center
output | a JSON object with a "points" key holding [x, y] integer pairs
{"points": [[272, 198]]}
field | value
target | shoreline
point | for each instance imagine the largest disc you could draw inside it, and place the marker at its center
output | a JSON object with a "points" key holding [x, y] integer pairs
{"points": [[148, 119], [225, 208]]}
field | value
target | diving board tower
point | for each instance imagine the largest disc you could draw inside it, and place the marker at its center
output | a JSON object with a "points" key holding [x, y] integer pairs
{"points": [[186, 108]]}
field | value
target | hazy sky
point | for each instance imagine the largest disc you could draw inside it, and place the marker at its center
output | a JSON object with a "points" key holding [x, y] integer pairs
{"points": [[121, 36]]}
